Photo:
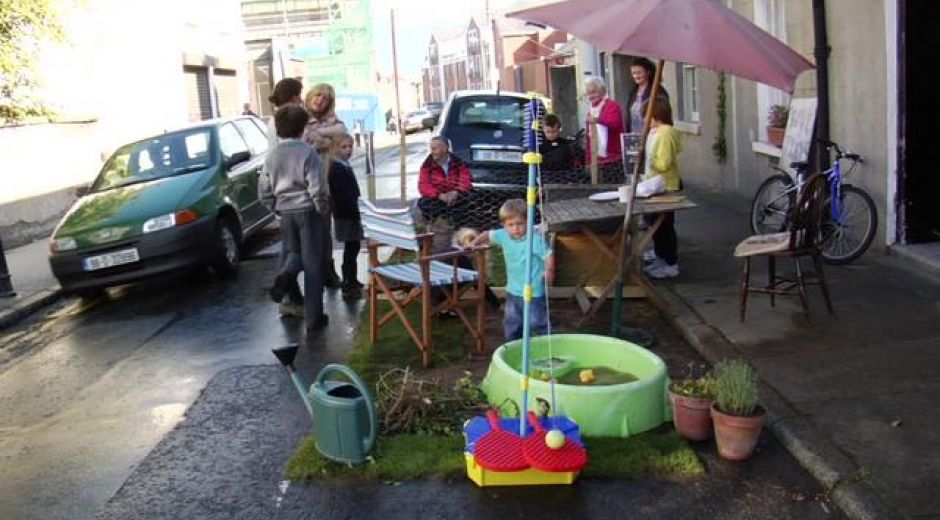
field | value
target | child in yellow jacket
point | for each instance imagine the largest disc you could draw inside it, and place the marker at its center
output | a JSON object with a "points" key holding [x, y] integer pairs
{"points": [[662, 153]]}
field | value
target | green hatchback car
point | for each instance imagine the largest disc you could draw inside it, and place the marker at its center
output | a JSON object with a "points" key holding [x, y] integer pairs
{"points": [[184, 198]]}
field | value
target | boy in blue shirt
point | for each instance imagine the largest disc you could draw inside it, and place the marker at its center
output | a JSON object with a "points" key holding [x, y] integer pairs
{"points": [[512, 239]]}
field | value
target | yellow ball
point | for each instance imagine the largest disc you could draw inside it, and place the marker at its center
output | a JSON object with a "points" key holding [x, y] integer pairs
{"points": [[554, 439], [586, 376]]}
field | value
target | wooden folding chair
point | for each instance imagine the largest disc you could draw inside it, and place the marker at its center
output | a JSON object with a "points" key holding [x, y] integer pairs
{"points": [[804, 221], [406, 283]]}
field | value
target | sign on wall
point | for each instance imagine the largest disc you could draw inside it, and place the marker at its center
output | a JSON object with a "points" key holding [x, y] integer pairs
{"points": [[799, 134]]}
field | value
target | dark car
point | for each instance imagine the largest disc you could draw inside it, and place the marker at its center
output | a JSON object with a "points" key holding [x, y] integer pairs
{"points": [[485, 130], [175, 200]]}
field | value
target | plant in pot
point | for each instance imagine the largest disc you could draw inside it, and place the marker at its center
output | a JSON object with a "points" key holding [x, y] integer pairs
{"points": [[736, 413], [691, 400], [777, 124]]}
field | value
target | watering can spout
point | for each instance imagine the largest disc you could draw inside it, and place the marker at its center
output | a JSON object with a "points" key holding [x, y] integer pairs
{"points": [[286, 354]]}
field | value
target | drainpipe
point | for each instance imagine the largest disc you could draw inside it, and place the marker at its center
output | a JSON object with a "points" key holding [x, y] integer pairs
{"points": [[821, 53]]}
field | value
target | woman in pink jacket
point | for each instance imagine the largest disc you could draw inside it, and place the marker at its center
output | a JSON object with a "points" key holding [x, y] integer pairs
{"points": [[606, 114]]}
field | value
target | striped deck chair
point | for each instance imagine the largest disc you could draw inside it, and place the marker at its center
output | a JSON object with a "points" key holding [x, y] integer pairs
{"points": [[406, 283]]}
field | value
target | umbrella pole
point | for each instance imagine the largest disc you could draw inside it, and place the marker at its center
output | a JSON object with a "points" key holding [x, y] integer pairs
{"points": [[624, 259]]}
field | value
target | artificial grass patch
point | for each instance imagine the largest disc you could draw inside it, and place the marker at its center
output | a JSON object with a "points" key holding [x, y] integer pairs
{"points": [[394, 347], [404, 457], [401, 457]]}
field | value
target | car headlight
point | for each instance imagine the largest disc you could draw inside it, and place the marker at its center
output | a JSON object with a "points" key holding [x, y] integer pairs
{"points": [[183, 216], [62, 244], [158, 223]]}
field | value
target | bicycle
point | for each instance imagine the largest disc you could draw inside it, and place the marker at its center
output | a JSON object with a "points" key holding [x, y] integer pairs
{"points": [[850, 221]]}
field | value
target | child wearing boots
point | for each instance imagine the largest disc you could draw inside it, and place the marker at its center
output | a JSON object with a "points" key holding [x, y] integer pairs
{"points": [[347, 224]]}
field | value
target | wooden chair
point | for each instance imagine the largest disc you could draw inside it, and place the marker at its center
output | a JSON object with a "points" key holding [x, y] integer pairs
{"points": [[406, 283], [805, 220]]}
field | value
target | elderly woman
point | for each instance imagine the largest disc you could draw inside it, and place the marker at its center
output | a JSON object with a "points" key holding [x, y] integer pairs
{"points": [[604, 121], [321, 130]]}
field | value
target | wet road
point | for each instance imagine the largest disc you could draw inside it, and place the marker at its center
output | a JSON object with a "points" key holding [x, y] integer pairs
{"points": [[87, 391], [88, 388]]}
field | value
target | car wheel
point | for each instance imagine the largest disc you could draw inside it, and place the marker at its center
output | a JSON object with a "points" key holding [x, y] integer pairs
{"points": [[228, 252]]}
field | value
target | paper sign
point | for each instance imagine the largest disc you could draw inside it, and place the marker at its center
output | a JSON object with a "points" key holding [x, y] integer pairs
{"points": [[799, 134]]}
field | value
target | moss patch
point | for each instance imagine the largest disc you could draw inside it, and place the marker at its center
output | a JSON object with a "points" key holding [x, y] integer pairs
{"points": [[401, 457], [404, 457]]}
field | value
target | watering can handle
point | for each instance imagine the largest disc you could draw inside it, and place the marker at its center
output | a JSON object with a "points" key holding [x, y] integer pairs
{"points": [[363, 389]]}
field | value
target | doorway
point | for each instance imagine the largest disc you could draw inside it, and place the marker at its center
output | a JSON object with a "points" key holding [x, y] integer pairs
{"points": [[920, 107]]}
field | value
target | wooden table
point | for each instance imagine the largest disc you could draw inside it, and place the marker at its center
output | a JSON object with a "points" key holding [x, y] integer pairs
{"points": [[577, 214]]}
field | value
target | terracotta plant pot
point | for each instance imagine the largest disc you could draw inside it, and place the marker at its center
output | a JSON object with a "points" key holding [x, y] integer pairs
{"points": [[736, 436], [691, 416], [775, 135]]}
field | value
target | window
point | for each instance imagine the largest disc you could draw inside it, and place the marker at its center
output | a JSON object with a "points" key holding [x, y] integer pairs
{"points": [[230, 142], [176, 153], [687, 95], [769, 16], [257, 140]]}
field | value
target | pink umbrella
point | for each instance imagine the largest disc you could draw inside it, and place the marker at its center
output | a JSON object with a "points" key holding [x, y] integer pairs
{"points": [[704, 33]]}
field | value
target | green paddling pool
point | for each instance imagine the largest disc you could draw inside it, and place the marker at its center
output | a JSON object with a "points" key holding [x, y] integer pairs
{"points": [[601, 410]]}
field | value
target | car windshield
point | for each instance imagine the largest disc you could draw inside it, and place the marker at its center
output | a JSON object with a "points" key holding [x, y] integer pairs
{"points": [[164, 156], [495, 112]]}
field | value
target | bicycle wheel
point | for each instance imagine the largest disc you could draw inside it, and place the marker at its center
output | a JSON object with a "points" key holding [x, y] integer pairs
{"points": [[846, 240], [772, 204]]}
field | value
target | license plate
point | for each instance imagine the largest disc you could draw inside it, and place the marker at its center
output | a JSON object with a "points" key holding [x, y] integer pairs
{"points": [[124, 256], [497, 156]]}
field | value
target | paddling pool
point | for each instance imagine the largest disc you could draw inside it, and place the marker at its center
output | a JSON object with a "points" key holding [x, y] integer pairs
{"points": [[612, 410]]}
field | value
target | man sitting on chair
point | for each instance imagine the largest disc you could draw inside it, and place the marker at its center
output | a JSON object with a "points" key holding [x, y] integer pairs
{"points": [[444, 185]]}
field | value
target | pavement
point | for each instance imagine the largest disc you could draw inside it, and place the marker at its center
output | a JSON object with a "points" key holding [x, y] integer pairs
{"points": [[848, 394]]}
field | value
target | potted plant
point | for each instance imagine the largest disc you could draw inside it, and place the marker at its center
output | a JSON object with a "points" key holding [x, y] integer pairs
{"points": [[691, 400], [777, 124], [736, 413]]}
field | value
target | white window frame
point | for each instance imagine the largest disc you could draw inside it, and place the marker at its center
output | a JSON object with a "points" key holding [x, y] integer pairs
{"points": [[687, 108], [769, 15]]}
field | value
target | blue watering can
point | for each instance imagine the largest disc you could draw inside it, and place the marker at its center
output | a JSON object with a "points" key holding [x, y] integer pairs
{"points": [[343, 413]]}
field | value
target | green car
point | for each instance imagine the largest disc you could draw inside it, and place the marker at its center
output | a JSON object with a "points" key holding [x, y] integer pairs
{"points": [[169, 202]]}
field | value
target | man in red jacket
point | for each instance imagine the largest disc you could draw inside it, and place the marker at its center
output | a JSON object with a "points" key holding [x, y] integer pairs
{"points": [[444, 184]]}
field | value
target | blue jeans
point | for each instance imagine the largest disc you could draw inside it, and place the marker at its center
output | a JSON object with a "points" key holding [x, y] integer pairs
{"points": [[538, 316]]}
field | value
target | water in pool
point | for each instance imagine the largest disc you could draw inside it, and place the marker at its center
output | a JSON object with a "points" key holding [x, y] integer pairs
{"points": [[596, 376]]}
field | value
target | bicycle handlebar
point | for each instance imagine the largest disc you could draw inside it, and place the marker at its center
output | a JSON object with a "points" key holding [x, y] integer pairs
{"points": [[840, 153]]}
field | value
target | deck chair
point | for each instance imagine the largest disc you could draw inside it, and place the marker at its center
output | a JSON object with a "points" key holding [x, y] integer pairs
{"points": [[407, 283], [805, 220]]}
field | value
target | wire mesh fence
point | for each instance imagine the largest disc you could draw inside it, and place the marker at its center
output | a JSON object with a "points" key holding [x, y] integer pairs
{"points": [[480, 208]]}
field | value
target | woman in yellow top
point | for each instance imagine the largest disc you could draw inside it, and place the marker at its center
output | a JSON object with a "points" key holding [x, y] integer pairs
{"points": [[662, 153]]}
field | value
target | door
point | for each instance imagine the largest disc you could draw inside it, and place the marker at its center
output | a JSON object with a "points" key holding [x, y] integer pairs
{"points": [[240, 185], [920, 155], [198, 100], [565, 97], [258, 144]]}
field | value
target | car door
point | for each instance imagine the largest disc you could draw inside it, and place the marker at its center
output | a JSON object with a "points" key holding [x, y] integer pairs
{"points": [[258, 146], [238, 187]]}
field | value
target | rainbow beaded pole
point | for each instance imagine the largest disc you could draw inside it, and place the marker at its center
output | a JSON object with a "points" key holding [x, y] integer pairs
{"points": [[532, 157]]}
